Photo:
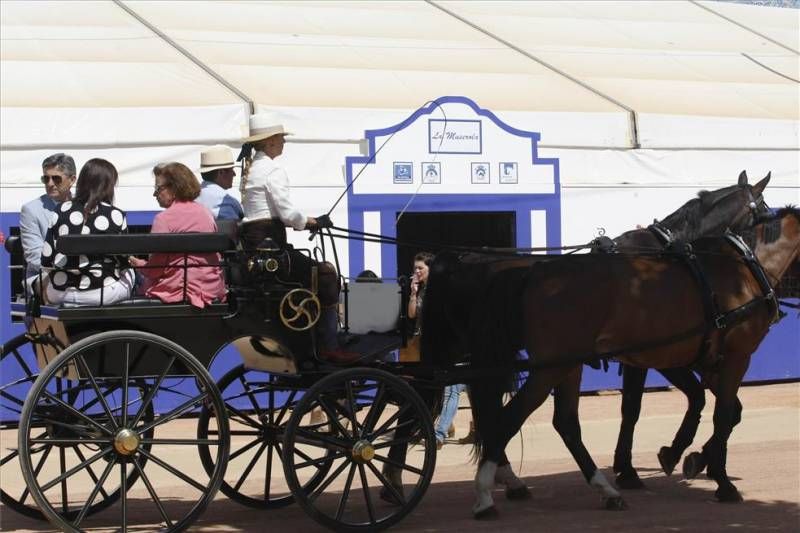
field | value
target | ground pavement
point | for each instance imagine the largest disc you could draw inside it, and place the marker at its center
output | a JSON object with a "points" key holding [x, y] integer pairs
{"points": [[763, 461]]}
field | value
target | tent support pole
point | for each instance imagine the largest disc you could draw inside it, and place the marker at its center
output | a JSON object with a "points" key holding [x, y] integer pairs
{"points": [[632, 117], [744, 27], [208, 70]]}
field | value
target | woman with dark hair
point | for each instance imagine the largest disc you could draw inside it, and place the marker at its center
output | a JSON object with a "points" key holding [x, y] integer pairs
{"points": [[93, 279], [176, 188]]}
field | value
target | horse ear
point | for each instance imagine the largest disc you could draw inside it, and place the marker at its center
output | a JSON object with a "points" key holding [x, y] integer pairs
{"points": [[761, 185], [743, 178]]}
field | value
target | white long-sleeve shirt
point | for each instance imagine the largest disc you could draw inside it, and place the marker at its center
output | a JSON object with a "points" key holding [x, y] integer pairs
{"points": [[266, 194]]}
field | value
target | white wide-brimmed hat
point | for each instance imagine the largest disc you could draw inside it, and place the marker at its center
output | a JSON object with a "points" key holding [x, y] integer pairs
{"points": [[215, 158], [265, 125]]}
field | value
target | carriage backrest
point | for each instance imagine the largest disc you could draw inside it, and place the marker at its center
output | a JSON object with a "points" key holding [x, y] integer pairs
{"points": [[133, 244]]}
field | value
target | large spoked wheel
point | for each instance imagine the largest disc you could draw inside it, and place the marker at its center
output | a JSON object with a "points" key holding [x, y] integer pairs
{"points": [[98, 395], [18, 370], [376, 477], [259, 405]]}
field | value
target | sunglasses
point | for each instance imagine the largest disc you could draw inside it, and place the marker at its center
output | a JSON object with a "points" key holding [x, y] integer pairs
{"points": [[56, 179], [158, 190]]}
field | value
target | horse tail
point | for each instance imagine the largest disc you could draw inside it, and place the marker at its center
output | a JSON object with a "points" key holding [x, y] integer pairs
{"points": [[486, 401], [438, 339]]}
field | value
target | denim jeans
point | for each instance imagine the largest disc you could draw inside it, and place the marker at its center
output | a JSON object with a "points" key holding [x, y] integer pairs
{"points": [[449, 409]]}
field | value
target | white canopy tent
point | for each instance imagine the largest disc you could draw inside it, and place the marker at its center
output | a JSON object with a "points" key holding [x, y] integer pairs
{"points": [[632, 96]]}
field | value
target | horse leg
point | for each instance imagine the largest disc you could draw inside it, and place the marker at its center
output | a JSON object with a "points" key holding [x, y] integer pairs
{"points": [[567, 423], [486, 400], [727, 413], [696, 462], [398, 450], [516, 489], [495, 426], [633, 379], [685, 380]]}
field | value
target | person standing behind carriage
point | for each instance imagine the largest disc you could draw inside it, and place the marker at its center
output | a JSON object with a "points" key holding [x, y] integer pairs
{"points": [[176, 188], [268, 209], [216, 169], [93, 279], [58, 177]]}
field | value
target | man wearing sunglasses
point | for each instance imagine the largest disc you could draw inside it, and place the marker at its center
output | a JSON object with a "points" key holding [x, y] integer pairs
{"points": [[58, 177]]}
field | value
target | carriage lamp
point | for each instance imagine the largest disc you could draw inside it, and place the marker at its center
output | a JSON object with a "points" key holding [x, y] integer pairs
{"points": [[258, 265]]}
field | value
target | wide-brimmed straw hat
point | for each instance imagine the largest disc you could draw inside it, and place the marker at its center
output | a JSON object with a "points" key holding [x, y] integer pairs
{"points": [[215, 158], [265, 125]]}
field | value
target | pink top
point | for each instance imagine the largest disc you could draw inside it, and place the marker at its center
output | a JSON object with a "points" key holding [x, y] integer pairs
{"points": [[164, 281]]}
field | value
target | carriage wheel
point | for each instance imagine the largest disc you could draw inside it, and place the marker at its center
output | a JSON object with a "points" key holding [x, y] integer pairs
{"points": [[18, 370], [98, 395], [375, 478], [259, 405]]}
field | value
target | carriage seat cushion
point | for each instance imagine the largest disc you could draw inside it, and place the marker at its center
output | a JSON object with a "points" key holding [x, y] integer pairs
{"points": [[132, 244], [136, 300]]}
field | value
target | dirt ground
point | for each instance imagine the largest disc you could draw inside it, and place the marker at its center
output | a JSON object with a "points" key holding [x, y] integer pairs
{"points": [[763, 461]]}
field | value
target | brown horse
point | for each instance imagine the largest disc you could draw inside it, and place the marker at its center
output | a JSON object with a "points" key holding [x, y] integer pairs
{"points": [[647, 310], [673, 228], [709, 213]]}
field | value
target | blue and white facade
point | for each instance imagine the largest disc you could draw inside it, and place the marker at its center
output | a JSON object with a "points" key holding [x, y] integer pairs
{"points": [[450, 155]]}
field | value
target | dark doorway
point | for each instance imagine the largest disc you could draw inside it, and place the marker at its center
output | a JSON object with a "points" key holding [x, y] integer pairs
{"points": [[473, 229]]}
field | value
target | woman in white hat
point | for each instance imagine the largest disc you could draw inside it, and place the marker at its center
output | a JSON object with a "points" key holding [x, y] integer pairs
{"points": [[268, 209]]}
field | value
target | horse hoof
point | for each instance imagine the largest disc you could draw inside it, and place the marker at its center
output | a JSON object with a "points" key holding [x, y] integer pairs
{"points": [[728, 495], [615, 503], [519, 493], [629, 480], [693, 465], [490, 513], [667, 460]]}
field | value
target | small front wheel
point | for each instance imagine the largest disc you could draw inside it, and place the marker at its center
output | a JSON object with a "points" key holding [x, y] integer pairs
{"points": [[375, 475], [259, 405]]}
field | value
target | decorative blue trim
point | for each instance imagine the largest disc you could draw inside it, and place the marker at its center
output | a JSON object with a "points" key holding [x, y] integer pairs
{"points": [[389, 205]]}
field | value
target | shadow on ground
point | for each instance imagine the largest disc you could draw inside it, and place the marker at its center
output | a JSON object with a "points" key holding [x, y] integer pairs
{"points": [[561, 502]]}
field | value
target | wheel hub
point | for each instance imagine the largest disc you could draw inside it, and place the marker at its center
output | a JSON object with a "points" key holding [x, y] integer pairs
{"points": [[126, 441], [363, 451]]}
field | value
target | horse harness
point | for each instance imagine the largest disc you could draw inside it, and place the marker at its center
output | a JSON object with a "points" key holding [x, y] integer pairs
{"points": [[717, 321]]}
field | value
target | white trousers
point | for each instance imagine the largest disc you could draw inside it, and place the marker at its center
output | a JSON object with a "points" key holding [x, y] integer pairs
{"points": [[111, 294]]}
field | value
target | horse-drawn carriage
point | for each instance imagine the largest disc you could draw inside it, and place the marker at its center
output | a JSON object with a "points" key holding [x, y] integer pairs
{"points": [[122, 391], [122, 411]]}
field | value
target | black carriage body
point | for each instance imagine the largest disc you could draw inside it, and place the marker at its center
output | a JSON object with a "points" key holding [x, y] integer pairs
{"points": [[248, 319]]}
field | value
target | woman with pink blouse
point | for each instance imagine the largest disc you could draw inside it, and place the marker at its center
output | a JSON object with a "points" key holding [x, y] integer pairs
{"points": [[176, 188]]}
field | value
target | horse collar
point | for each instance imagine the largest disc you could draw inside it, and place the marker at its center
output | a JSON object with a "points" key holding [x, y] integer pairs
{"points": [[664, 235]]}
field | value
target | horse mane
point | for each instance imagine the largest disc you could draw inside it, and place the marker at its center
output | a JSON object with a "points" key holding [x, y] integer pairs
{"points": [[689, 221], [771, 228]]}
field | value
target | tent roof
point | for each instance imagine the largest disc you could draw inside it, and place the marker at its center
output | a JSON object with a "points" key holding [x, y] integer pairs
{"points": [[681, 58]]}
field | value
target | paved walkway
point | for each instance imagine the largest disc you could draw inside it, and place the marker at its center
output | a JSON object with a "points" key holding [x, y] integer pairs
{"points": [[764, 462]]}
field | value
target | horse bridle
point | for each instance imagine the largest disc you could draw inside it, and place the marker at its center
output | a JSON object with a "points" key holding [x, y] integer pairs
{"points": [[753, 208]]}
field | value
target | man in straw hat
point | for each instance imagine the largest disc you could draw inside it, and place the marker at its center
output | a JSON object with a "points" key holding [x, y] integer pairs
{"points": [[268, 209], [216, 168]]}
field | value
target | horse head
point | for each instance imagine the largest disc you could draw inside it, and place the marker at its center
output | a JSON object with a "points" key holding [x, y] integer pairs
{"points": [[735, 207], [777, 243]]}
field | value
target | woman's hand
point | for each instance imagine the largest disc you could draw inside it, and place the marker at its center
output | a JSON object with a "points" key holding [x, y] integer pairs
{"points": [[414, 284], [136, 262]]}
